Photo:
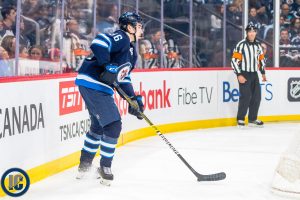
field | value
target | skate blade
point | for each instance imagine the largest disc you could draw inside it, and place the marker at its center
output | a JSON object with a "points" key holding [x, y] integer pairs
{"points": [[291, 195], [241, 126], [90, 174], [105, 182], [81, 175], [255, 126]]}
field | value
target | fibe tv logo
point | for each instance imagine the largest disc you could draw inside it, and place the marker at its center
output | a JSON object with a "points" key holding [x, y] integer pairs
{"points": [[15, 182], [69, 98], [232, 94]]}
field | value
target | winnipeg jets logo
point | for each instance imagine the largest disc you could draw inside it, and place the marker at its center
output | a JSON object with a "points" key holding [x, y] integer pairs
{"points": [[123, 72], [295, 89]]}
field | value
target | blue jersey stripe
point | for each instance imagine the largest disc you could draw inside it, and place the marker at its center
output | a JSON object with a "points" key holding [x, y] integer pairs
{"points": [[100, 43], [105, 39], [94, 86]]}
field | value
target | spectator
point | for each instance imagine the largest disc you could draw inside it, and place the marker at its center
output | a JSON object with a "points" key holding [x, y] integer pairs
{"points": [[80, 12], [156, 38], [9, 44], [24, 40], [261, 8], [54, 54], [31, 8], [173, 55], [72, 27], [284, 37], [43, 16], [50, 35], [268, 55], [149, 55], [286, 59], [216, 23], [289, 60], [36, 52], [238, 4], [269, 36], [9, 17], [295, 5], [23, 52], [5, 68], [5, 3], [283, 22], [110, 23], [295, 27], [268, 4], [295, 8], [296, 40], [253, 17], [235, 13], [75, 45], [149, 49], [3, 54], [285, 12]]}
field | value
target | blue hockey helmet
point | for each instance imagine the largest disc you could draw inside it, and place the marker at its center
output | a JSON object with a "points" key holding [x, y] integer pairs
{"points": [[131, 18]]}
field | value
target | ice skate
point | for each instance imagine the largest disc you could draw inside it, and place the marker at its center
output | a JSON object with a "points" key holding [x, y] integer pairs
{"points": [[256, 123], [83, 170], [105, 175], [240, 123]]}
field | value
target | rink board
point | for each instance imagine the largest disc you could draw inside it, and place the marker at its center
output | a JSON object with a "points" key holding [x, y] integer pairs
{"points": [[43, 121]]}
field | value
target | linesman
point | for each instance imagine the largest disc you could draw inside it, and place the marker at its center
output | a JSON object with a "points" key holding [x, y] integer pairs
{"points": [[247, 59]]}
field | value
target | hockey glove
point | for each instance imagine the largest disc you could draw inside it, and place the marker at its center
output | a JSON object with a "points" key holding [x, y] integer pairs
{"points": [[138, 106], [114, 73], [110, 74]]}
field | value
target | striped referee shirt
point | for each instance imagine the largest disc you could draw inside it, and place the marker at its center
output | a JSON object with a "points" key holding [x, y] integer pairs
{"points": [[248, 57]]}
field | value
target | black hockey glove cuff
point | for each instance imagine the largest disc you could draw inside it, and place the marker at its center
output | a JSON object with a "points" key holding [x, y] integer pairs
{"points": [[109, 75], [137, 107]]}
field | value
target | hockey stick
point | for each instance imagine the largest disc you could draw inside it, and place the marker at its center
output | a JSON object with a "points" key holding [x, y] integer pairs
{"points": [[200, 177]]}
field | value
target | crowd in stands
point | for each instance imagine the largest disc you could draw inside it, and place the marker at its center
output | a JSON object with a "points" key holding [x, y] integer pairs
{"points": [[261, 14], [40, 31]]}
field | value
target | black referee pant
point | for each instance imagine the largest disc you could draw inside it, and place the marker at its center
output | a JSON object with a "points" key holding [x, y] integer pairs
{"points": [[250, 96]]}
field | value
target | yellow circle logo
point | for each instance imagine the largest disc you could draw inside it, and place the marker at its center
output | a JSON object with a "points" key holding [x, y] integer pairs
{"points": [[15, 182]]}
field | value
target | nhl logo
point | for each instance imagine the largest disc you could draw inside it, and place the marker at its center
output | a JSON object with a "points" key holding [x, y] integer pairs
{"points": [[294, 89]]}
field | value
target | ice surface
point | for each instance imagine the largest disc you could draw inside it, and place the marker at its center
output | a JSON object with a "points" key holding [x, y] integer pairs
{"points": [[148, 170]]}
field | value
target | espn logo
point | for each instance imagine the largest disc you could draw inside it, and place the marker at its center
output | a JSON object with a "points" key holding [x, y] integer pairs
{"points": [[69, 98]]}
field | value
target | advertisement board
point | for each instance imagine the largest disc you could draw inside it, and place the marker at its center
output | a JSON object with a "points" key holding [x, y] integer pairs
{"points": [[44, 120]]}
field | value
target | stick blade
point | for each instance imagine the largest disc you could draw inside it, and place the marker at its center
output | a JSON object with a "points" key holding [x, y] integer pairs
{"points": [[211, 177]]}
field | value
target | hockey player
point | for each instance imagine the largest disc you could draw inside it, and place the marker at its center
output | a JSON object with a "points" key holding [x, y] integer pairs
{"points": [[114, 57]]}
